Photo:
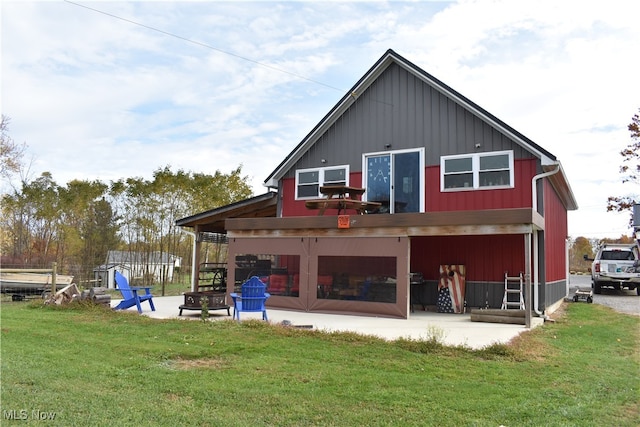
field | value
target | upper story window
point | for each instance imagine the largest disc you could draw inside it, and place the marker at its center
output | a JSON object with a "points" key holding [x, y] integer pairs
{"points": [[309, 181], [477, 171]]}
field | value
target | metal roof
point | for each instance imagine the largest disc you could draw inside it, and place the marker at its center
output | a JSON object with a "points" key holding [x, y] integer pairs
{"points": [[374, 72], [212, 221]]}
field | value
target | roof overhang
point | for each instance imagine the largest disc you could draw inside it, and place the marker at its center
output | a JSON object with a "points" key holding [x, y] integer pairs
{"points": [[560, 183], [480, 222], [213, 221]]}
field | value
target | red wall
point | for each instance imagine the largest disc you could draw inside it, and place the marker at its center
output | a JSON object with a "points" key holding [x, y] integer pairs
{"points": [[486, 257], [437, 201], [517, 197], [556, 232]]}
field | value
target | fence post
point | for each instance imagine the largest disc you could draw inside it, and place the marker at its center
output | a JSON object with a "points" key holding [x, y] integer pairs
{"points": [[54, 268]]}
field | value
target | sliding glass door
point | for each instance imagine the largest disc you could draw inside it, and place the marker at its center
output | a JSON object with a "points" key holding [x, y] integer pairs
{"points": [[396, 180]]}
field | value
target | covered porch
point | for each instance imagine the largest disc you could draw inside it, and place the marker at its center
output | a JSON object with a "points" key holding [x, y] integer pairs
{"points": [[359, 264]]}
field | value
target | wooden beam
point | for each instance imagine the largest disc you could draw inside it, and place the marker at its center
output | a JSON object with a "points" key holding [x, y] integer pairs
{"points": [[494, 217], [476, 317], [498, 312], [381, 232]]}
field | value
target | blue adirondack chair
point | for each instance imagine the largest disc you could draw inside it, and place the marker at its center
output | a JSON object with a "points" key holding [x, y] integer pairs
{"points": [[251, 299], [131, 295]]}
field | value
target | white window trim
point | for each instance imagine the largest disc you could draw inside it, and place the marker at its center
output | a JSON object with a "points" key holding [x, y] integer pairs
{"points": [[475, 166], [321, 180], [420, 150]]}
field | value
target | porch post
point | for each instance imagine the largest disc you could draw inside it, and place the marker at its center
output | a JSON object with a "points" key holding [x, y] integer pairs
{"points": [[195, 265], [403, 279], [527, 280]]}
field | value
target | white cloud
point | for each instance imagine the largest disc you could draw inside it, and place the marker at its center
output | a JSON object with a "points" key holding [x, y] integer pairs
{"points": [[95, 96]]}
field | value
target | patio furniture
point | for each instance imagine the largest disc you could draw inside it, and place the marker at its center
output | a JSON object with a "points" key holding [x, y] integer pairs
{"points": [[131, 295], [342, 198], [362, 293], [211, 287], [278, 284], [214, 301], [252, 298]]}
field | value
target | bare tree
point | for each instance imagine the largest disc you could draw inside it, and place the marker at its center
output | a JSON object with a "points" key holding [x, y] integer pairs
{"points": [[630, 169], [10, 152]]}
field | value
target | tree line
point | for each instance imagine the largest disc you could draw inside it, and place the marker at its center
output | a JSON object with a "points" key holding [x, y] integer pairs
{"points": [[76, 224], [581, 246]]}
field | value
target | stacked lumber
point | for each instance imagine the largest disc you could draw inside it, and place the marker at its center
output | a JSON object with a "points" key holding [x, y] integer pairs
{"points": [[488, 315]]}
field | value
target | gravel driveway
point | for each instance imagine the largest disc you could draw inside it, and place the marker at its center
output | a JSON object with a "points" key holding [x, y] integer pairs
{"points": [[624, 301]]}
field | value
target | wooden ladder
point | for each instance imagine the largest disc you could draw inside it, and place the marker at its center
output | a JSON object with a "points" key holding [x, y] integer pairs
{"points": [[510, 288]]}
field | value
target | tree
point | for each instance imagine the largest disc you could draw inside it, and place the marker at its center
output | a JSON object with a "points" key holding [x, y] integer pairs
{"points": [[30, 222], [88, 227], [630, 169], [623, 239], [77, 224], [580, 247], [10, 152], [147, 210]]}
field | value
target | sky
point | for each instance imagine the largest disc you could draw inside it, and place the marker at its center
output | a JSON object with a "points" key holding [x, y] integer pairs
{"points": [[115, 90]]}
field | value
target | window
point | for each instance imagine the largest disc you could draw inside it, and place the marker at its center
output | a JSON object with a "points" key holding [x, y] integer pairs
{"points": [[357, 278], [279, 273], [309, 181], [477, 171], [395, 180]]}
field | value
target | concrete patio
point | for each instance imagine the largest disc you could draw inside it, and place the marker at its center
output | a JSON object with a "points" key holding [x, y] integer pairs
{"points": [[453, 329]]}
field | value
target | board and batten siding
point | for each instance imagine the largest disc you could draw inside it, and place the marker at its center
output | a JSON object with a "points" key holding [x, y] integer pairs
{"points": [[556, 233], [405, 112], [437, 201], [486, 257]]}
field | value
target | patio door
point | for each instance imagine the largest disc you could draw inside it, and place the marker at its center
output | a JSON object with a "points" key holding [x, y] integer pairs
{"points": [[396, 180]]}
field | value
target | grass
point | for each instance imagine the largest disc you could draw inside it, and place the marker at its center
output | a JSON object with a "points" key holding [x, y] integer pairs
{"points": [[91, 366]]}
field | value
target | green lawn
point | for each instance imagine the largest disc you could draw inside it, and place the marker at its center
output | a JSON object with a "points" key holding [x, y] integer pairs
{"points": [[91, 366]]}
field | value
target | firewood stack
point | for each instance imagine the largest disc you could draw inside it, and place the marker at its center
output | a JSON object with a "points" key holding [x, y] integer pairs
{"points": [[72, 293], [99, 296]]}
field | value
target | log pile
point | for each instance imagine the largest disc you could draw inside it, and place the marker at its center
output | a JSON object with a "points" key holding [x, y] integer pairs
{"points": [[71, 293], [99, 296], [488, 315]]}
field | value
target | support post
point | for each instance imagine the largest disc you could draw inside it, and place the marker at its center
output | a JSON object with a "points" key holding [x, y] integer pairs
{"points": [[54, 270], [195, 263], [527, 280]]}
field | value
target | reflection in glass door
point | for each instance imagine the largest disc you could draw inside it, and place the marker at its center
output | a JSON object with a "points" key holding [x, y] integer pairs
{"points": [[406, 178], [396, 181], [379, 180]]}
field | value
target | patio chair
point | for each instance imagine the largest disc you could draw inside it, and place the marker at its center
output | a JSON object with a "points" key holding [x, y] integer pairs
{"points": [[131, 295], [251, 299], [363, 294]]}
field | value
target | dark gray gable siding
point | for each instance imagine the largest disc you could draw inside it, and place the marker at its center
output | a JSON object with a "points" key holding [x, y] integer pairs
{"points": [[401, 110]]}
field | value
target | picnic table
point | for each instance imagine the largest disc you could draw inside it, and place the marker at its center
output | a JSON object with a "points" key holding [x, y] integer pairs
{"points": [[342, 198]]}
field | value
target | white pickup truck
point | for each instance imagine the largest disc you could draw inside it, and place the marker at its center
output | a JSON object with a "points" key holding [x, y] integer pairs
{"points": [[617, 266]]}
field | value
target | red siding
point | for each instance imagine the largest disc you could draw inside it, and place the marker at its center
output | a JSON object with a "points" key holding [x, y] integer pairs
{"points": [[517, 197], [486, 257], [435, 200], [556, 232], [290, 206]]}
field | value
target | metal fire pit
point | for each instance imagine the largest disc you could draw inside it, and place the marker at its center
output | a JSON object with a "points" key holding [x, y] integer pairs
{"points": [[215, 301]]}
